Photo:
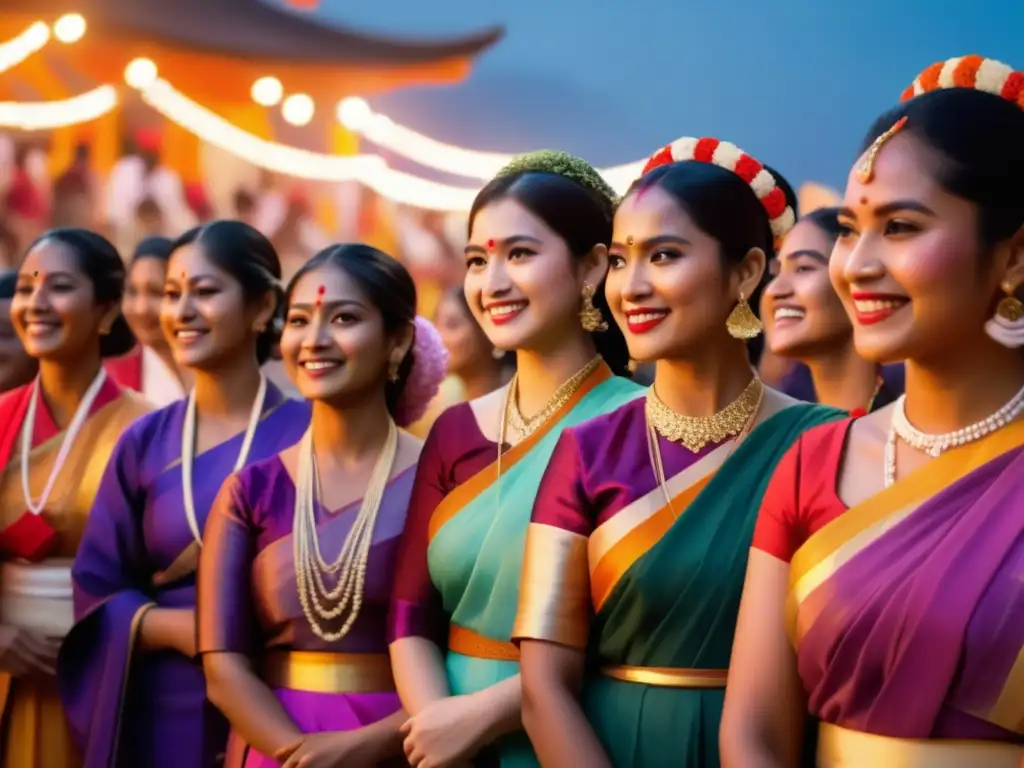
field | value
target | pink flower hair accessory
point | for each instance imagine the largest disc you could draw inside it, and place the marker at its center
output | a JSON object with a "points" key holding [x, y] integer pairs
{"points": [[429, 366]]}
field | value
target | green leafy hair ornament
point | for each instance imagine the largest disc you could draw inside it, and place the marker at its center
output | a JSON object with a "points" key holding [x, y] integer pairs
{"points": [[563, 164]]}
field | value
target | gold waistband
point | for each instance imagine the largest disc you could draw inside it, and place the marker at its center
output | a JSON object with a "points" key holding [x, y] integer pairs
{"points": [[469, 643], [318, 672], [669, 677], [842, 748]]}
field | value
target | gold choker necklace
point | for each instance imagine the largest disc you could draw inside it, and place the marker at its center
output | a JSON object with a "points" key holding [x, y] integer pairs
{"points": [[694, 432], [525, 427]]}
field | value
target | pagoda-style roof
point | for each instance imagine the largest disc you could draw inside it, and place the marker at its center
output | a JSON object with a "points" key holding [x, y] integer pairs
{"points": [[253, 29]]}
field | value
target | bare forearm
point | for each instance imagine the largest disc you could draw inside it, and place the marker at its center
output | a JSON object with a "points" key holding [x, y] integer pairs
{"points": [[382, 739], [560, 731], [419, 671], [250, 706], [167, 629], [756, 745], [747, 755], [503, 703]]}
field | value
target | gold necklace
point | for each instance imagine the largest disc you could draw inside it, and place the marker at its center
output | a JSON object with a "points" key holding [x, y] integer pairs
{"points": [[310, 566], [654, 451], [694, 432], [525, 427]]}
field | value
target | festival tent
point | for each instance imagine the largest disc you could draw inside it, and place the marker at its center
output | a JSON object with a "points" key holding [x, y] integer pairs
{"points": [[241, 74]]}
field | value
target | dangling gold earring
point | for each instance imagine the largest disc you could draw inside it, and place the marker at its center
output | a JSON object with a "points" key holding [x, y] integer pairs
{"points": [[1010, 308], [590, 316], [393, 367], [742, 323]]}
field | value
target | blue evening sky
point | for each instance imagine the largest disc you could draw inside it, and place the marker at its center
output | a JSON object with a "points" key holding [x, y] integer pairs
{"points": [[794, 82]]}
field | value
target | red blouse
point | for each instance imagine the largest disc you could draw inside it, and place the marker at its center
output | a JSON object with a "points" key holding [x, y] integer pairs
{"points": [[801, 497]]}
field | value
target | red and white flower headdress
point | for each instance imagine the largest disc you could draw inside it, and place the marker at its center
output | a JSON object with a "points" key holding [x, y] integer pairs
{"points": [[730, 157], [974, 72]]}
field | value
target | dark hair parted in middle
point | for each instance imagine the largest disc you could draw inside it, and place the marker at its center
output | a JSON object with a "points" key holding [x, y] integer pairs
{"points": [[578, 215], [385, 282], [102, 265], [978, 138], [825, 219], [159, 248], [244, 253]]}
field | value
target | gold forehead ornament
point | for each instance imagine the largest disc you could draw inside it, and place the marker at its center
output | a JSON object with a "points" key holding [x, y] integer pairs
{"points": [[866, 171]]}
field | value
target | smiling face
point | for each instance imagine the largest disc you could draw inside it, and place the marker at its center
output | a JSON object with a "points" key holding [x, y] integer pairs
{"points": [[334, 344], [143, 296], [666, 286], [801, 311], [204, 315], [906, 265], [54, 311], [466, 343], [522, 283]]}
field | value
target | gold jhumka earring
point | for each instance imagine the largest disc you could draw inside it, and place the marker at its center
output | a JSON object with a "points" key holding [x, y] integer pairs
{"points": [[590, 316], [742, 323], [393, 367]]}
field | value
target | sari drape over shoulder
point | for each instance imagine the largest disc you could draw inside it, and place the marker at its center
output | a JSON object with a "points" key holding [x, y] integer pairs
{"points": [[37, 595], [649, 588], [906, 610], [249, 604], [461, 554], [139, 552]]}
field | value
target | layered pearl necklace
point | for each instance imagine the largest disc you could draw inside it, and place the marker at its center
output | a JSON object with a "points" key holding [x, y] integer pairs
{"points": [[188, 451], [936, 445], [28, 428], [320, 604]]}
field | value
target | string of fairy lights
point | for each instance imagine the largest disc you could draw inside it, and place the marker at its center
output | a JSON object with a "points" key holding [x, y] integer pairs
{"points": [[354, 113]]}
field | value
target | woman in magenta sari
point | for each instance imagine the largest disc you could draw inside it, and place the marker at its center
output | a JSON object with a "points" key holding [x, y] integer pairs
{"points": [[131, 690], [300, 548], [883, 594], [56, 436]]}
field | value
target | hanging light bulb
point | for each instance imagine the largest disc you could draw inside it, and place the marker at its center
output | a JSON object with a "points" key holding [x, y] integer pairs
{"points": [[354, 113], [298, 109], [140, 73], [267, 91], [69, 28]]}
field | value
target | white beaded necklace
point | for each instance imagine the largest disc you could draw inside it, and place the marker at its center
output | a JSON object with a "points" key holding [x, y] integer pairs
{"points": [[28, 427], [188, 451], [352, 561], [936, 445]]}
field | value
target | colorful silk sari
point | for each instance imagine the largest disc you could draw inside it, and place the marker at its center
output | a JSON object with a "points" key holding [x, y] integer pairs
{"points": [[907, 614], [138, 552], [649, 588], [249, 604], [37, 595], [476, 539]]}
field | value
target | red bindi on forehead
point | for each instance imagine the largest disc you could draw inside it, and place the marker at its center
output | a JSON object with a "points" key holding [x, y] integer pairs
{"points": [[320, 295], [491, 244], [864, 200]]}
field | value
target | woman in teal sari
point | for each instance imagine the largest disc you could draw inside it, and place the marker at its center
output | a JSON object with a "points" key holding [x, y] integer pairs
{"points": [[638, 544], [537, 258]]}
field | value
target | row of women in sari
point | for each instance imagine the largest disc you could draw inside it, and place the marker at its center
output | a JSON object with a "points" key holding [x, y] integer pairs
{"points": [[566, 554]]}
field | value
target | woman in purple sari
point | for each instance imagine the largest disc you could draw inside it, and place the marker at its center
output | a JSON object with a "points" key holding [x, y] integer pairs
{"points": [[129, 686], [300, 549], [883, 593]]}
